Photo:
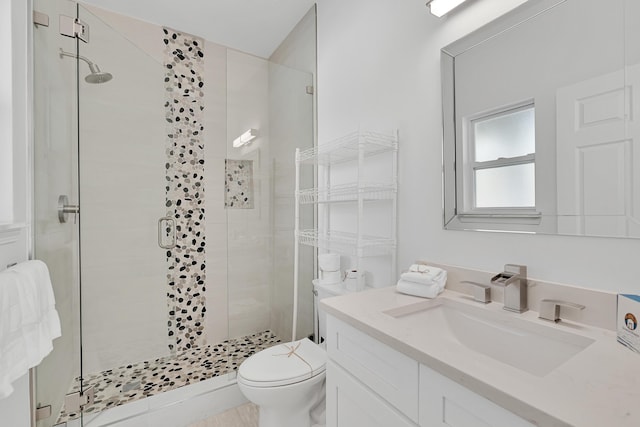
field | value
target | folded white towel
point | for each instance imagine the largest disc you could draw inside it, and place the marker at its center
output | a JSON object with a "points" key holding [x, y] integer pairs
{"points": [[418, 289], [28, 320], [425, 274]]}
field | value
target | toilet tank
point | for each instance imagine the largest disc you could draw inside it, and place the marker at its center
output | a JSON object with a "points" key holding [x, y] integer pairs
{"points": [[322, 291]]}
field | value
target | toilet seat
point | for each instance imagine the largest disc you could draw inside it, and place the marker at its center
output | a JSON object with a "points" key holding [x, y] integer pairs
{"points": [[283, 364]]}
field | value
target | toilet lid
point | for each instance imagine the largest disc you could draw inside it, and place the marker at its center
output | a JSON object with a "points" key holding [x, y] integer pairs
{"points": [[283, 364]]}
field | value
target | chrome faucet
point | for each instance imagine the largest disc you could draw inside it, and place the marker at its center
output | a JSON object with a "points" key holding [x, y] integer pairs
{"points": [[550, 308], [514, 280], [479, 291]]}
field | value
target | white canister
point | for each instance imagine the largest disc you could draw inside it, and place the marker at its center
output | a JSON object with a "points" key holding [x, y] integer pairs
{"points": [[354, 280]]}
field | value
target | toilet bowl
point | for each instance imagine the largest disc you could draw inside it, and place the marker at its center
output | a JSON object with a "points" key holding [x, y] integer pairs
{"points": [[286, 381]]}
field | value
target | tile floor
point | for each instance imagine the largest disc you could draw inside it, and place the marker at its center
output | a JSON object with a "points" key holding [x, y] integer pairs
{"points": [[241, 416], [133, 382]]}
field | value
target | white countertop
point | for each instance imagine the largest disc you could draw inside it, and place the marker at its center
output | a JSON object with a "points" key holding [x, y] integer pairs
{"points": [[598, 387]]}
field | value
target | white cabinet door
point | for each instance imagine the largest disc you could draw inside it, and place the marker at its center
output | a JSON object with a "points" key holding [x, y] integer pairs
{"points": [[446, 403], [352, 404], [389, 373]]}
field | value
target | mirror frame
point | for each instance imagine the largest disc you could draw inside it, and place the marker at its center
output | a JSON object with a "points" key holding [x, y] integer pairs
{"points": [[452, 219]]}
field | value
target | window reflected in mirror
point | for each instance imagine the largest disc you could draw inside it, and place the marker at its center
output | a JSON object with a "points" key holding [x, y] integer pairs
{"points": [[501, 145]]}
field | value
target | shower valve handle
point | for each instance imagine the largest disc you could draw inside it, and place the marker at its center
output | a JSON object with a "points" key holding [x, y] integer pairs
{"points": [[64, 209]]}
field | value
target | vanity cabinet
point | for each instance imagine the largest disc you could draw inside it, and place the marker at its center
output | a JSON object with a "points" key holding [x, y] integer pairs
{"points": [[371, 384], [448, 404], [350, 403], [390, 374]]}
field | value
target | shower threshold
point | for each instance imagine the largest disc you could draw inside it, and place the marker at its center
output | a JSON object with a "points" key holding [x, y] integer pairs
{"points": [[129, 383]]}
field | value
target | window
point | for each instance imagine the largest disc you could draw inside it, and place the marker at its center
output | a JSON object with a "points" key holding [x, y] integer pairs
{"points": [[500, 161]]}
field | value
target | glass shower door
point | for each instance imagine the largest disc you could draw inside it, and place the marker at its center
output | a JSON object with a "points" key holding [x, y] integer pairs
{"points": [[126, 234], [100, 140], [55, 175]]}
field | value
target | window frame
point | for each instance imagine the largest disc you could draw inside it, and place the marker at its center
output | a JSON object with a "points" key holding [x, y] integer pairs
{"points": [[470, 166]]}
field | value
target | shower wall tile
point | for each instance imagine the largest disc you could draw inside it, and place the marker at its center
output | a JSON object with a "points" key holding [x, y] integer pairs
{"points": [[217, 302], [216, 322], [250, 230], [185, 165], [215, 74], [249, 307], [214, 183], [290, 127], [117, 332], [122, 171], [141, 33], [216, 100]]}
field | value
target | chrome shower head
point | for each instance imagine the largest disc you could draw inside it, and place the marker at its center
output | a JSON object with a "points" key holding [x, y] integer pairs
{"points": [[96, 76]]}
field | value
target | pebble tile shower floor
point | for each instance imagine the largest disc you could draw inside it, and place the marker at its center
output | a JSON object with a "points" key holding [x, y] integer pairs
{"points": [[129, 383]]}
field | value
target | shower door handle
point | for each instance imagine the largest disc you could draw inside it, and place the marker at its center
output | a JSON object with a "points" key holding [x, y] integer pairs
{"points": [[64, 209], [167, 232]]}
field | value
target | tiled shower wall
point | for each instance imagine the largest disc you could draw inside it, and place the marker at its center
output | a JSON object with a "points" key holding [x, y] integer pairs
{"points": [[185, 192], [123, 174], [250, 273]]}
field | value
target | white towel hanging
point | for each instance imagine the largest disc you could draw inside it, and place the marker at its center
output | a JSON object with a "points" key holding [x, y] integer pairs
{"points": [[29, 321]]}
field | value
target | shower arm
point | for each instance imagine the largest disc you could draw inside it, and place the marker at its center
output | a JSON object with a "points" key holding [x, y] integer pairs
{"points": [[93, 67]]}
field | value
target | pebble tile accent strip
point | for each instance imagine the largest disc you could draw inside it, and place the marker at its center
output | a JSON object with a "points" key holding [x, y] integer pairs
{"points": [[238, 184], [184, 66], [117, 387]]}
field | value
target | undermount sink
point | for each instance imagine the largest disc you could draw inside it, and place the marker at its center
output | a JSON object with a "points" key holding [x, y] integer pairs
{"points": [[523, 344]]}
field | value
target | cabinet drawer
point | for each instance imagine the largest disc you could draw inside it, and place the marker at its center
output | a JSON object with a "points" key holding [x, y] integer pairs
{"points": [[389, 373], [351, 404], [446, 403]]}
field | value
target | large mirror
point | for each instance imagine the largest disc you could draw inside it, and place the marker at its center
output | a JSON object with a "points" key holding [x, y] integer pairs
{"points": [[541, 132]]}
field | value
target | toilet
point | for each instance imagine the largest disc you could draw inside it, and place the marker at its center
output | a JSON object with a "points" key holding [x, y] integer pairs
{"points": [[286, 381]]}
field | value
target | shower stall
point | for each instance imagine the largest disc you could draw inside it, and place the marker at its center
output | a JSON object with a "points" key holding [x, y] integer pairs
{"points": [[170, 246]]}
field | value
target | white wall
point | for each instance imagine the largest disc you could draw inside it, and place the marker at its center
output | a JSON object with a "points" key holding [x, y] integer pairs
{"points": [[379, 64], [14, 243]]}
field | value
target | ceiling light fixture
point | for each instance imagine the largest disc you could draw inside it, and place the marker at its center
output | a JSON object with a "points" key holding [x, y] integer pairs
{"points": [[245, 138], [442, 7]]}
